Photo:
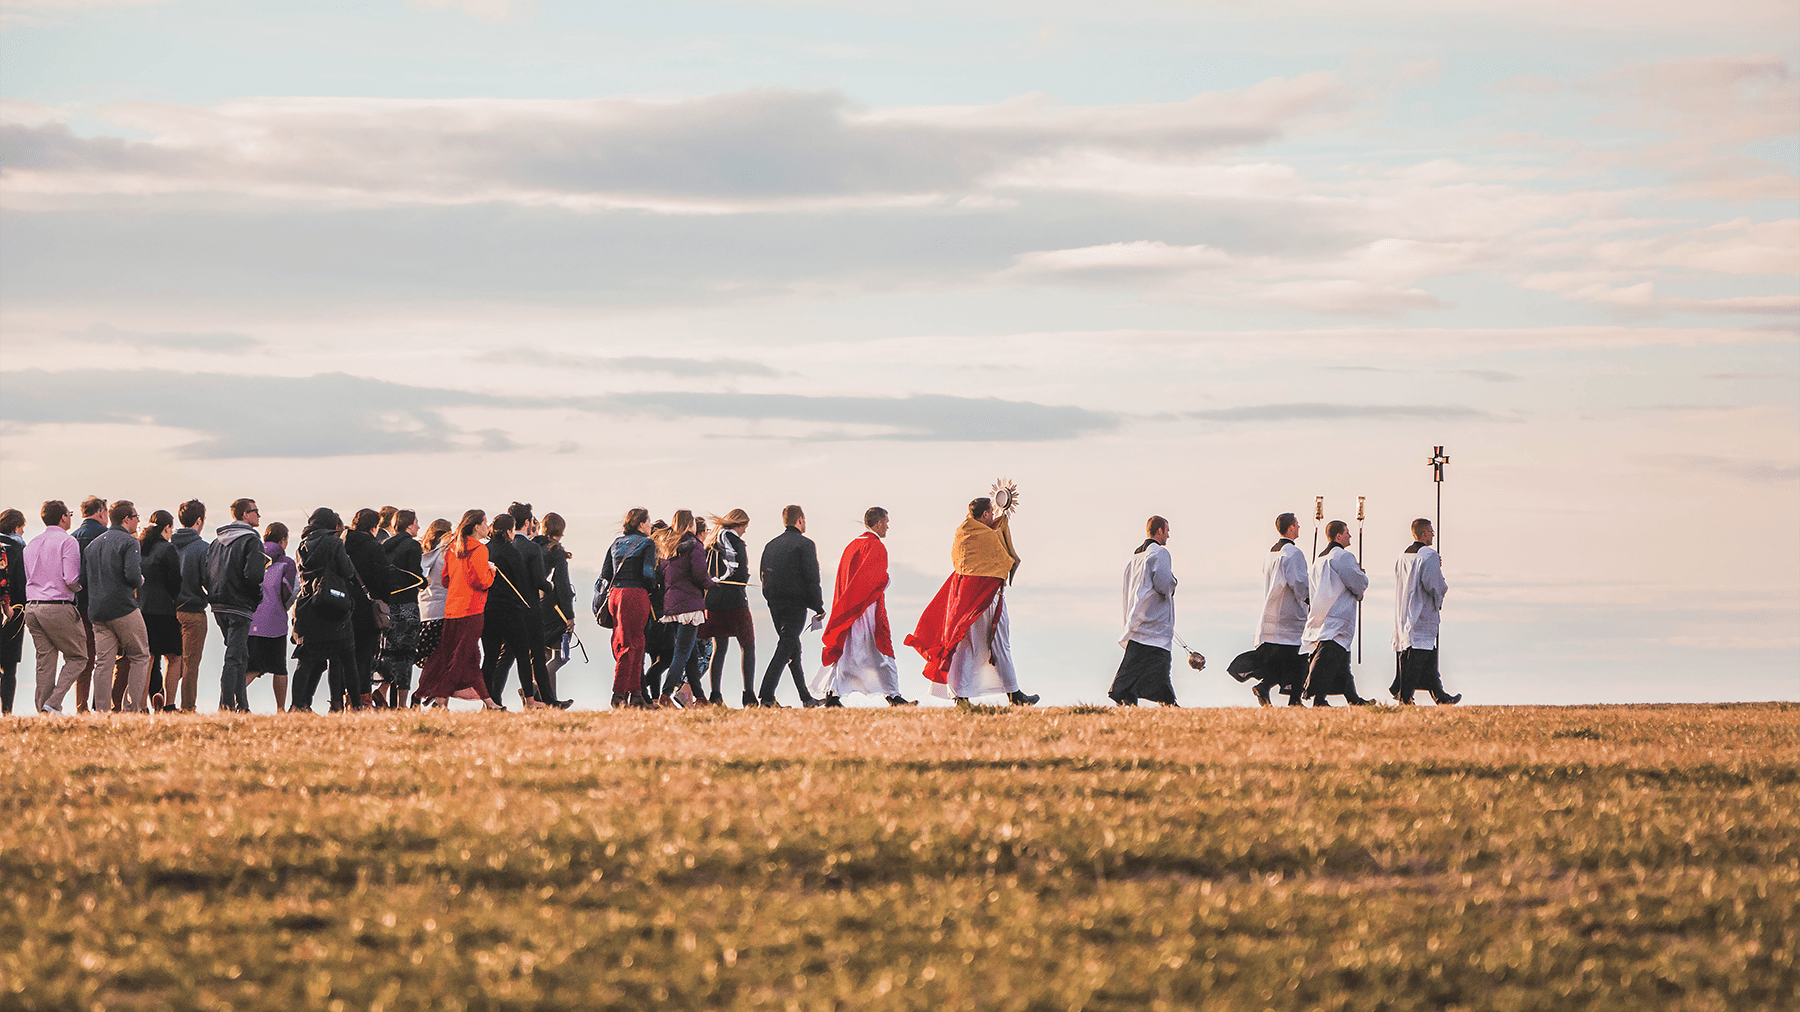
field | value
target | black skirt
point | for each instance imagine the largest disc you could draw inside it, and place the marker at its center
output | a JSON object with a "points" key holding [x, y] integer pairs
{"points": [[1143, 674], [268, 654], [164, 632]]}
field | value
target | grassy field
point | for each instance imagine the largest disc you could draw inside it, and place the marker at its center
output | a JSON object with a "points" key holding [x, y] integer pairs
{"points": [[1526, 858]]}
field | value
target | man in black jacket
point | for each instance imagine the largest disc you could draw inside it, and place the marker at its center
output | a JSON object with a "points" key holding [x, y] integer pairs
{"points": [[232, 581], [790, 581], [377, 578], [509, 616], [537, 570], [401, 640]]}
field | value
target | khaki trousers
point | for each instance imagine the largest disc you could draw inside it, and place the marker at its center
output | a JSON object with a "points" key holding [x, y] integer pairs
{"points": [[121, 637], [56, 628], [193, 643]]}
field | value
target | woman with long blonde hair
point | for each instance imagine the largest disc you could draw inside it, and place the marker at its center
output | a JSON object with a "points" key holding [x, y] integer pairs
{"points": [[455, 666]]}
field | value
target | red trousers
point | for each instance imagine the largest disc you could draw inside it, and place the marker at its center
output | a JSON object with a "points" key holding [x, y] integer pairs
{"points": [[631, 610]]}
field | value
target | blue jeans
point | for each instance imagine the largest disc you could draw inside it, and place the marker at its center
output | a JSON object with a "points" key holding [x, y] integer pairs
{"points": [[684, 662], [232, 692]]}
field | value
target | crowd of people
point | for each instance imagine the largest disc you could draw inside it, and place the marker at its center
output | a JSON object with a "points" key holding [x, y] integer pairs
{"points": [[117, 610]]}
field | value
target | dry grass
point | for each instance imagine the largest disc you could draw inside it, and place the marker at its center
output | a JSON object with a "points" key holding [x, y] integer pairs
{"points": [[1581, 858]]}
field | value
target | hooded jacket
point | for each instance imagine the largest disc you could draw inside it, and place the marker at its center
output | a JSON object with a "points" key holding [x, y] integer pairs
{"points": [[321, 551], [233, 575], [192, 547], [280, 581]]}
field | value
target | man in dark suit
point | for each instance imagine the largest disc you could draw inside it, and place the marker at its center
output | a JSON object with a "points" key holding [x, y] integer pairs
{"points": [[790, 582]]}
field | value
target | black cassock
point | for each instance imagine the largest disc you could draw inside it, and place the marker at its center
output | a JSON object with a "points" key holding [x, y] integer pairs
{"points": [[1143, 674]]}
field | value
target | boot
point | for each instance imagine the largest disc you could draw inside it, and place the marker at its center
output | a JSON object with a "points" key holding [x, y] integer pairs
{"points": [[962, 703], [1021, 699], [1449, 700], [833, 702], [899, 700], [1262, 695]]}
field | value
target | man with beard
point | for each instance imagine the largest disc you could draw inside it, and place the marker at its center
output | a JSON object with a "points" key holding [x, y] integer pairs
{"points": [[858, 654]]}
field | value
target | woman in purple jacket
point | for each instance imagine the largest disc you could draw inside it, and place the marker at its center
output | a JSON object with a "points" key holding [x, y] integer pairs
{"points": [[682, 562], [269, 626]]}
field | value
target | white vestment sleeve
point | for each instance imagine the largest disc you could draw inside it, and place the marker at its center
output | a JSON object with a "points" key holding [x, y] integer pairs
{"points": [[1431, 579], [1294, 570], [1355, 580], [1162, 574]]}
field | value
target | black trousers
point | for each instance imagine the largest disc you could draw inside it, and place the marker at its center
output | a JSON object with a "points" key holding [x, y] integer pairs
{"points": [[509, 637], [311, 660], [368, 642], [790, 622], [1416, 669]]}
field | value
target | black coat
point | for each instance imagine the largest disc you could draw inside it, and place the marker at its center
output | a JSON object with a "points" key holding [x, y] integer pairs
{"points": [[790, 572], [321, 552], [512, 591], [406, 557], [562, 592], [729, 591], [371, 563], [162, 579]]}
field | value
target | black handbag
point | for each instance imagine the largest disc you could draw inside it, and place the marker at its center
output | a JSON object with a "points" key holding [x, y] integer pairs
{"points": [[331, 598], [602, 606]]}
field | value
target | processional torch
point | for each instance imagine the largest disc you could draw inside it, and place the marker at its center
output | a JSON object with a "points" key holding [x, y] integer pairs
{"points": [[1363, 560], [1318, 518]]}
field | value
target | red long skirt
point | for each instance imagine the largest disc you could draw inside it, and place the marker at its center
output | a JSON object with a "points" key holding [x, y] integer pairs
{"points": [[631, 609], [454, 668]]}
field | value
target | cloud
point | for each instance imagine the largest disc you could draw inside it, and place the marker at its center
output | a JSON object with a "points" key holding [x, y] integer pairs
{"points": [[334, 414], [221, 342], [753, 150], [921, 417], [1335, 412], [683, 367], [326, 415], [1485, 375]]}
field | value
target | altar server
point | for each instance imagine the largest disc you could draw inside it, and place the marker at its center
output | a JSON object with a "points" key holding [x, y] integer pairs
{"points": [[1418, 597], [858, 648], [1338, 582], [1276, 661], [1149, 622]]}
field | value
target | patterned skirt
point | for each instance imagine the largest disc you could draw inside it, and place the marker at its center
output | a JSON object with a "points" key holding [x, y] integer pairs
{"points": [[431, 633]]}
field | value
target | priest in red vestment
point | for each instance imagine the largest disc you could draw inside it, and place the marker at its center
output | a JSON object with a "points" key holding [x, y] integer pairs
{"points": [[964, 634], [858, 649]]}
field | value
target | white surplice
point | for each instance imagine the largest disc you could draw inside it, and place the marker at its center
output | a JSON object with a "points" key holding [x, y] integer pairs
{"points": [[1285, 595], [1337, 585], [978, 668], [1418, 596], [862, 667]]}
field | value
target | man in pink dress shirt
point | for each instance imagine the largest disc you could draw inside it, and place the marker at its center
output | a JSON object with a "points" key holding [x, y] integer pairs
{"points": [[52, 576]]}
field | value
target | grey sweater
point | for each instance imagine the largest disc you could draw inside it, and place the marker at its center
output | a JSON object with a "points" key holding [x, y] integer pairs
{"points": [[115, 572]]}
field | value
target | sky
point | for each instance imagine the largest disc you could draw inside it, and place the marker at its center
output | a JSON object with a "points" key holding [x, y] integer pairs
{"points": [[1207, 260]]}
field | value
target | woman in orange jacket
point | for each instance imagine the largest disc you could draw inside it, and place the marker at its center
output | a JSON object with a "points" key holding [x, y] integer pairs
{"points": [[454, 668]]}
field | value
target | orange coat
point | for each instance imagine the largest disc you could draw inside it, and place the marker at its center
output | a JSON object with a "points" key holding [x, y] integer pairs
{"points": [[467, 580]]}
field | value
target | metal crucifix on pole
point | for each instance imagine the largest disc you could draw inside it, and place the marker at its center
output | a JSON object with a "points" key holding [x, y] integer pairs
{"points": [[1437, 462]]}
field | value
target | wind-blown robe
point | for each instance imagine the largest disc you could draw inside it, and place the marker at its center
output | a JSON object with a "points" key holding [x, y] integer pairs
{"points": [[1276, 655], [858, 650], [963, 633]]}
